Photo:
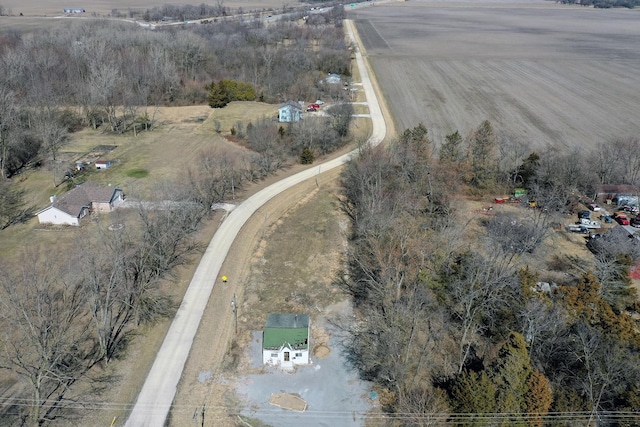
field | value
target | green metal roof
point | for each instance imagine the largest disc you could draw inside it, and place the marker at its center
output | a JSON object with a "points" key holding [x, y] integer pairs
{"points": [[292, 329]]}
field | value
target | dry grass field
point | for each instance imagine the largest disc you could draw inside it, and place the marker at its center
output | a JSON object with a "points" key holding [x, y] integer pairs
{"points": [[163, 154], [542, 73]]}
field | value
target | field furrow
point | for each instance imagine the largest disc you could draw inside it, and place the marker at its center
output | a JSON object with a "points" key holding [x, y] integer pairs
{"points": [[543, 74]]}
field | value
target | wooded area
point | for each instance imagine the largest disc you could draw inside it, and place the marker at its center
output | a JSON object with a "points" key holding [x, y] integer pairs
{"points": [[111, 75], [453, 321]]}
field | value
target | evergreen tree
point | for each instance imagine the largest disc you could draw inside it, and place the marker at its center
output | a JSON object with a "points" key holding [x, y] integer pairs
{"points": [[510, 374], [482, 156], [307, 157], [473, 393], [218, 97], [529, 168], [451, 149]]}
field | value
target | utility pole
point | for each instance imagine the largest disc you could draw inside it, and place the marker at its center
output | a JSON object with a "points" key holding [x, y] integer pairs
{"points": [[234, 307]]}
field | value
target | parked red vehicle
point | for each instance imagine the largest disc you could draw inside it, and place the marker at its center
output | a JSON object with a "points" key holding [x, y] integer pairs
{"points": [[315, 106], [621, 218]]}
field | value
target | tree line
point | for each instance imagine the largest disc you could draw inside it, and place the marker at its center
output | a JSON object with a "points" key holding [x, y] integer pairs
{"points": [[603, 4], [452, 321]]}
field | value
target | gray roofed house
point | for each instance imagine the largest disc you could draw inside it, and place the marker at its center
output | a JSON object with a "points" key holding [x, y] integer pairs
{"points": [[77, 203]]}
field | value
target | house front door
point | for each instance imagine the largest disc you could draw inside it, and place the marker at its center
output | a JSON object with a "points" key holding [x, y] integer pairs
{"points": [[286, 356]]}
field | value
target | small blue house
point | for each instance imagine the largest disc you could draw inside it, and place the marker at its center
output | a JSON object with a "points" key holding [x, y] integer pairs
{"points": [[289, 112], [333, 78]]}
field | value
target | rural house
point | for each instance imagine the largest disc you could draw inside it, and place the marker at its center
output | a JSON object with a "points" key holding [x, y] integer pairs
{"points": [[285, 340], [74, 205], [289, 112], [610, 193], [333, 78]]}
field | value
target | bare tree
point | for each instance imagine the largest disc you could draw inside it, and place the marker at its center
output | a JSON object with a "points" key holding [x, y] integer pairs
{"points": [[163, 240], [213, 176], [52, 133], [45, 334], [13, 207], [518, 234], [7, 121], [512, 152], [477, 290], [341, 118], [109, 293], [600, 365]]}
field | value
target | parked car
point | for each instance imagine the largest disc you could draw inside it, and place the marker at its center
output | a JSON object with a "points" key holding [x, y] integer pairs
{"points": [[607, 219], [584, 215], [593, 207], [311, 109], [316, 106], [635, 222], [621, 218]]}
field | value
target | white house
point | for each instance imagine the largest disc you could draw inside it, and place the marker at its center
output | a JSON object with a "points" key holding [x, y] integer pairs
{"points": [[285, 340], [74, 205], [289, 112], [74, 10]]}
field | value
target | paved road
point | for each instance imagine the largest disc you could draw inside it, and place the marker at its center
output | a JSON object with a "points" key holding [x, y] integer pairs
{"points": [[159, 389]]}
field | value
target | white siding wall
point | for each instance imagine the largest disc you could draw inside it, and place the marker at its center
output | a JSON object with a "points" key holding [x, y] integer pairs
{"points": [[276, 358], [56, 216]]}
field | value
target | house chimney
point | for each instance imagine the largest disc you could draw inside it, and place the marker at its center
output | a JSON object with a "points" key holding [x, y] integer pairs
{"points": [[53, 198]]}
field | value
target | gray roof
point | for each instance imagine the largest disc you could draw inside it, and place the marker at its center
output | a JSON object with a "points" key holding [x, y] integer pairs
{"points": [[74, 201], [295, 321], [290, 104]]}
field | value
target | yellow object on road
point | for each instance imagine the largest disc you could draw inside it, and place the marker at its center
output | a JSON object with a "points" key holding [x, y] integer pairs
{"points": [[224, 279]]}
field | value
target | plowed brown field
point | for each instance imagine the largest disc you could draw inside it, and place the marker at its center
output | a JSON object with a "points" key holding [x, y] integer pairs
{"points": [[542, 73]]}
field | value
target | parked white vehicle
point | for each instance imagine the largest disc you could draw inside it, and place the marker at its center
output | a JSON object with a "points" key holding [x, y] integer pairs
{"points": [[589, 224]]}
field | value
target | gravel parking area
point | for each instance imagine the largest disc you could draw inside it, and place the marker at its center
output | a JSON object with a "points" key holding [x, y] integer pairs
{"points": [[334, 394]]}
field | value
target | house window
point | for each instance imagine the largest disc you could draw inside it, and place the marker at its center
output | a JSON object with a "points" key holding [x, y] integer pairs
{"points": [[274, 354], [286, 356], [298, 354]]}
